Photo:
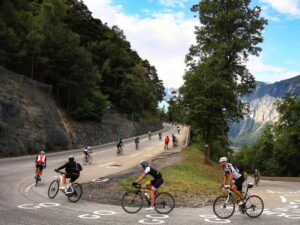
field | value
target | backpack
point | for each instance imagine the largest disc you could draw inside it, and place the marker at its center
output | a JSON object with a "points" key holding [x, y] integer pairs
{"points": [[78, 167]]}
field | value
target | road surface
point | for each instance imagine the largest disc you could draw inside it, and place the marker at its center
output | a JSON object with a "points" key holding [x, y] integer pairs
{"points": [[23, 203]]}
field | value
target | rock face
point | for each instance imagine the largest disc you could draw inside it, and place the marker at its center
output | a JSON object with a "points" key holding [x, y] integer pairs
{"points": [[262, 110], [29, 118]]}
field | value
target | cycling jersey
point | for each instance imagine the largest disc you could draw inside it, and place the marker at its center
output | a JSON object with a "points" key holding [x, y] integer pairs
{"points": [[230, 169], [154, 173], [70, 167], [41, 159]]}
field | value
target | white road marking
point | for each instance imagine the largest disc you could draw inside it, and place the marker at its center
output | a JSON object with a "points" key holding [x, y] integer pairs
{"points": [[105, 212], [89, 216], [106, 164], [100, 180], [283, 199], [134, 155], [28, 188]]}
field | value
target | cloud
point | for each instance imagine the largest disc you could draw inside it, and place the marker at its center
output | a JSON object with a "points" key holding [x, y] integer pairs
{"points": [[290, 7], [268, 73], [173, 3], [162, 38]]}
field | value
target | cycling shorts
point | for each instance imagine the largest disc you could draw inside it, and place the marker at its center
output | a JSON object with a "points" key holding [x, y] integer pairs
{"points": [[239, 183], [72, 176], [157, 182], [39, 166]]}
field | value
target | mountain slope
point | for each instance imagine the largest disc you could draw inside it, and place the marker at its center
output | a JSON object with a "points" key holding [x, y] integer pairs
{"points": [[262, 110]]}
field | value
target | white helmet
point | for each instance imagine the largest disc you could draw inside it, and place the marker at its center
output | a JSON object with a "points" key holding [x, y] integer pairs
{"points": [[223, 159]]}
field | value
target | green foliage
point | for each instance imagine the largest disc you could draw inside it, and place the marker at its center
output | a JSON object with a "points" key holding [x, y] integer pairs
{"points": [[277, 151], [89, 64], [217, 76]]}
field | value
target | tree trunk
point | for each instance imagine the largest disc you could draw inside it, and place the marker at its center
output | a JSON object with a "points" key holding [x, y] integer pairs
{"points": [[207, 146]]}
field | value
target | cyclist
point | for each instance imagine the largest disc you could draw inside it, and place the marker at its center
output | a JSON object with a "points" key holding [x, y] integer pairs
{"points": [[40, 164], [231, 171], [256, 176], [87, 151], [174, 140], [178, 129], [152, 185], [120, 145], [137, 142], [167, 140], [72, 172], [159, 136], [149, 133]]}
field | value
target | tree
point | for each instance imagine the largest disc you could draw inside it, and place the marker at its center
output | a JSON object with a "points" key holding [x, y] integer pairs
{"points": [[217, 76]]}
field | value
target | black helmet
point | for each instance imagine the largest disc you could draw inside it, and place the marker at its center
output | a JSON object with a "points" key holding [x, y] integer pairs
{"points": [[144, 163], [71, 158]]}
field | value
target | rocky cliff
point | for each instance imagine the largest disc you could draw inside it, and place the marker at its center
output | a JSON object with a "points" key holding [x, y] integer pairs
{"points": [[30, 118], [262, 110]]}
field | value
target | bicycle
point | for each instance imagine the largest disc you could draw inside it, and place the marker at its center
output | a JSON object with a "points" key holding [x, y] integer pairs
{"points": [[133, 201], [224, 206], [256, 180], [74, 190], [87, 160]]}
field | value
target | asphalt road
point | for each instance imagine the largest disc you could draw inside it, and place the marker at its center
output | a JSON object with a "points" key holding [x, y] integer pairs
{"points": [[23, 203]]}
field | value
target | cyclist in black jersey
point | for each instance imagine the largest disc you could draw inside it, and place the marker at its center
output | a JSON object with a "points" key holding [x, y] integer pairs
{"points": [[152, 185]]}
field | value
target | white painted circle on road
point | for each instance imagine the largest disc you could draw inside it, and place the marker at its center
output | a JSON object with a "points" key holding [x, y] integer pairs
{"points": [[153, 221], [49, 204], [157, 216], [217, 220], [105, 212], [29, 206], [89, 216]]}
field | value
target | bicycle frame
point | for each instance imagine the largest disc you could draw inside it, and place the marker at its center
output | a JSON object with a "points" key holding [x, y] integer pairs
{"points": [[230, 195], [68, 186]]}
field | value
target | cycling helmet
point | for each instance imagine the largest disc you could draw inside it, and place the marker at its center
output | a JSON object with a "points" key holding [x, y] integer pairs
{"points": [[223, 159], [42, 152], [144, 163], [71, 158]]}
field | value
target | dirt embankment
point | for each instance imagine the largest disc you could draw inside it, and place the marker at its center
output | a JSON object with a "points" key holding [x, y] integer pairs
{"points": [[110, 192]]}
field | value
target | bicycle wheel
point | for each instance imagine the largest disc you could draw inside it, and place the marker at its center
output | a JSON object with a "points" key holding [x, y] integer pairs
{"points": [[53, 189], [254, 206], [164, 203], [76, 195], [84, 161], [132, 202], [224, 207]]}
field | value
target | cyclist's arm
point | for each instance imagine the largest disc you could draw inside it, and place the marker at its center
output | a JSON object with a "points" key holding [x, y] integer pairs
{"points": [[142, 177], [225, 178], [230, 179], [62, 167]]}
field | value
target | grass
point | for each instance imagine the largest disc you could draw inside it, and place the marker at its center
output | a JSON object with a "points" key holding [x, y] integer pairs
{"points": [[189, 176]]}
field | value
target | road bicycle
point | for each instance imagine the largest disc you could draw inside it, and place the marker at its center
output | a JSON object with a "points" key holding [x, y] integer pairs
{"points": [[74, 190], [133, 201], [224, 206], [87, 160]]}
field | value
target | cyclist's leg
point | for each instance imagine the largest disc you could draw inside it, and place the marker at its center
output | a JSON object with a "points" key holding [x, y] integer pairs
{"points": [[63, 179], [155, 184]]}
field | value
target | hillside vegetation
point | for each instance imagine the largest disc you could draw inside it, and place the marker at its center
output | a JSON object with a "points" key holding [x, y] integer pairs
{"points": [[90, 65], [189, 176]]}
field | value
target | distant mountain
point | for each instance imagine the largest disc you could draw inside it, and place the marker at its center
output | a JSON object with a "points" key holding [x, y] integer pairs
{"points": [[262, 110]]}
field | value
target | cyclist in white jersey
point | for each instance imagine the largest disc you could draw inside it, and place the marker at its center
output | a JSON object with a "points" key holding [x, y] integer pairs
{"points": [[233, 174]]}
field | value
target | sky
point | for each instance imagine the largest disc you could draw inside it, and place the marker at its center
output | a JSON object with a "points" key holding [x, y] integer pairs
{"points": [[163, 30]]}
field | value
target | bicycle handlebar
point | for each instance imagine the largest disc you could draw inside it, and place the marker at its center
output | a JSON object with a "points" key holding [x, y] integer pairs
{"points": [[58, 171]]}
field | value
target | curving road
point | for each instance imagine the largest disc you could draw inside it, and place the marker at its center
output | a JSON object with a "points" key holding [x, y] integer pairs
{"points": [[23, 203]]}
